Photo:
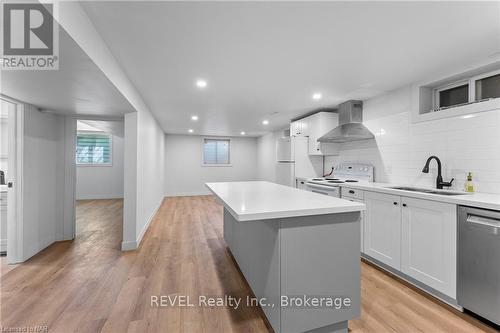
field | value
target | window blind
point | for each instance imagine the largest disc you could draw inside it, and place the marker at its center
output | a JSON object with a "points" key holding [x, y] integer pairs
{"points": [[93, 148], [216, 151]]}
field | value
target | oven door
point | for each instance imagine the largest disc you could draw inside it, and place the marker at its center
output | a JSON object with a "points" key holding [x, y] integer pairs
{"points": [[333, 191]]}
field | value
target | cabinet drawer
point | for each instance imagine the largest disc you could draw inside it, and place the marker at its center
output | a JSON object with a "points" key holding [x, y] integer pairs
{"points": [[352, 193]]}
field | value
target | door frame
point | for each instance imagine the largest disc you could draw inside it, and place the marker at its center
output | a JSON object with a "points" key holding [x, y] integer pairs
{"points": [[15, 193], [71, 133]]}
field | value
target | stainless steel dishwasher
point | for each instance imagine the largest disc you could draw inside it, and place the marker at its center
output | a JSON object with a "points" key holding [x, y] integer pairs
{"points": [[479, 262]]}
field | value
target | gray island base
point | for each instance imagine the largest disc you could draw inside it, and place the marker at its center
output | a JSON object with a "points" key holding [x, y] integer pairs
{"points": [[304, 270]]}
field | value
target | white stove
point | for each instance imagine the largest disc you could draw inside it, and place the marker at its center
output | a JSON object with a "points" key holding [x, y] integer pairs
{"points": [[342, 174]]}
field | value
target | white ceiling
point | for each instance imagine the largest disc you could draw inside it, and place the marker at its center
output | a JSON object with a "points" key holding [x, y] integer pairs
{"points": [[264, 60], [78, 87]]}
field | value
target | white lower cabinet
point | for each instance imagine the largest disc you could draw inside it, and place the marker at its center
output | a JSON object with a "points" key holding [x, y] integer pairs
{"points": [[361, 223], [428, 245], [356, 196], [414, 236], [382, 238]]}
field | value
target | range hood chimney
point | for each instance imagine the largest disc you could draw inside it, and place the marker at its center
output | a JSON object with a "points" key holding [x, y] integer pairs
{"points": [[350, 125]]}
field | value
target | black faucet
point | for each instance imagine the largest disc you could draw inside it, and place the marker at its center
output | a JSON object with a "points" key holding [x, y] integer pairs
{"points": [[439, 179]]}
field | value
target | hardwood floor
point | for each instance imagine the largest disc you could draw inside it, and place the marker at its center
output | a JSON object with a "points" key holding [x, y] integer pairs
{"points": [[89, 285]]}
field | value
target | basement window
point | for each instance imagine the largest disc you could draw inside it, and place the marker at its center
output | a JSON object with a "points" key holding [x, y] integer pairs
{"points": [[487, 87], [216, 152], [93, 149], [452, 95], [466, 91]]}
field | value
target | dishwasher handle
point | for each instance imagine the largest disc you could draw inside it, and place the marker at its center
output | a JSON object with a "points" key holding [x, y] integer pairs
{"points": [[482, 220]]}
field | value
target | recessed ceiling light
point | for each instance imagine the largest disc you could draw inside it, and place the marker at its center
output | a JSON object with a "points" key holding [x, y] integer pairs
{"points": [[467, 116], [265, 122], [242, 133], [317, 96], [194, 117], [200, 83], [190, 130]]}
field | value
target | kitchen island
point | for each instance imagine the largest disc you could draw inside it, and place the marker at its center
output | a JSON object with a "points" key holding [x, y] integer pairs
{"points": [[298, 251]]}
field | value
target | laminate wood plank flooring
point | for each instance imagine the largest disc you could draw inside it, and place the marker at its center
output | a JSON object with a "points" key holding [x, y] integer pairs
{"points": [[89, 285]]}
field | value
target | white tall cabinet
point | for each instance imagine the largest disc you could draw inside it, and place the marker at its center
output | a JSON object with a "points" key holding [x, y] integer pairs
{"points": [[429, 236], [382, 236]]}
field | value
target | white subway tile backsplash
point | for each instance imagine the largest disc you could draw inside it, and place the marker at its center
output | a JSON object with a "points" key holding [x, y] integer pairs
{"points": [[400, 148]]}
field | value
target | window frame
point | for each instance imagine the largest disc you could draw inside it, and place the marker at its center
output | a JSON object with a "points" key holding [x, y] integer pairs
{"points": [[437, 90], [472, 95], [470, 82], [203, 164], [111, 149]]}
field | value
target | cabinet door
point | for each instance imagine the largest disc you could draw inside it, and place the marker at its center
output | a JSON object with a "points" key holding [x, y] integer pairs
{"points": [[361, 222], [382, 236], [298, 128], [318, 125], [429, 243]]}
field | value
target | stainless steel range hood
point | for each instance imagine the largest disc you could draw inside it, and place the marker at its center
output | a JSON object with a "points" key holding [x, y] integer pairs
{"points": [[351, 127]]}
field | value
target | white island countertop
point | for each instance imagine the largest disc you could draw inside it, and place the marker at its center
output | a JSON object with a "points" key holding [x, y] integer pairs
{"points": [[259, 200]]}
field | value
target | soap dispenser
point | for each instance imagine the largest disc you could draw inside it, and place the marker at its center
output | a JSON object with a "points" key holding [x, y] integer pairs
{"points": [[469, 186]]}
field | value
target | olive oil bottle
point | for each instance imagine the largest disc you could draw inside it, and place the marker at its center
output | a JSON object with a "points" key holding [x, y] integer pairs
{"points": [[469, 186]]}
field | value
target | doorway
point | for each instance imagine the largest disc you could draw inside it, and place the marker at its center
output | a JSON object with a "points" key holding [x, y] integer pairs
{"points": [[9, 224], [99, 179]]}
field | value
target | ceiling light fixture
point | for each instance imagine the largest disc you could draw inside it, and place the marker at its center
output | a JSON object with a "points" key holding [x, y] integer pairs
{"points": [[190, 130], [467, 116], [317, 96], [194, 118], [265, 122], [242, 133], [200, 83]]}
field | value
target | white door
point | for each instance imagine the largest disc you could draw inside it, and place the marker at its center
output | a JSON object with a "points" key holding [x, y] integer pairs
{"points": [[429, 233], [382, 236]]}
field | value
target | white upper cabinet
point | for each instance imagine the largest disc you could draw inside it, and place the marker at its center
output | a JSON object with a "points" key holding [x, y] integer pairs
{"points": [[428, 248], [314, 127], [382, 220], [299, 127]]}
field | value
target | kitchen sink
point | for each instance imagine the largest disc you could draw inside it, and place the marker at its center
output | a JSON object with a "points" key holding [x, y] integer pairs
{"points": [[425, 190]]}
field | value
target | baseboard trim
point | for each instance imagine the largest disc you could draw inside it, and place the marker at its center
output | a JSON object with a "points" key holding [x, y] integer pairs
{"points": [[146, 226], [3, 245], [134, 245], [129, 246], [187, 194], [99, 197]]}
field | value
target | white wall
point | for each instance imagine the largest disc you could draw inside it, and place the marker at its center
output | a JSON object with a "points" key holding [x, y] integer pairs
{"points": [[144, 173], [185, 174], [102, 182], [42, 180], [401, 147]]}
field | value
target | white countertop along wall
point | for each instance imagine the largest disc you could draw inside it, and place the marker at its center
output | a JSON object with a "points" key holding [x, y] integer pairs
{"points": [[401, 147], [259, 200], [479, 200]]}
